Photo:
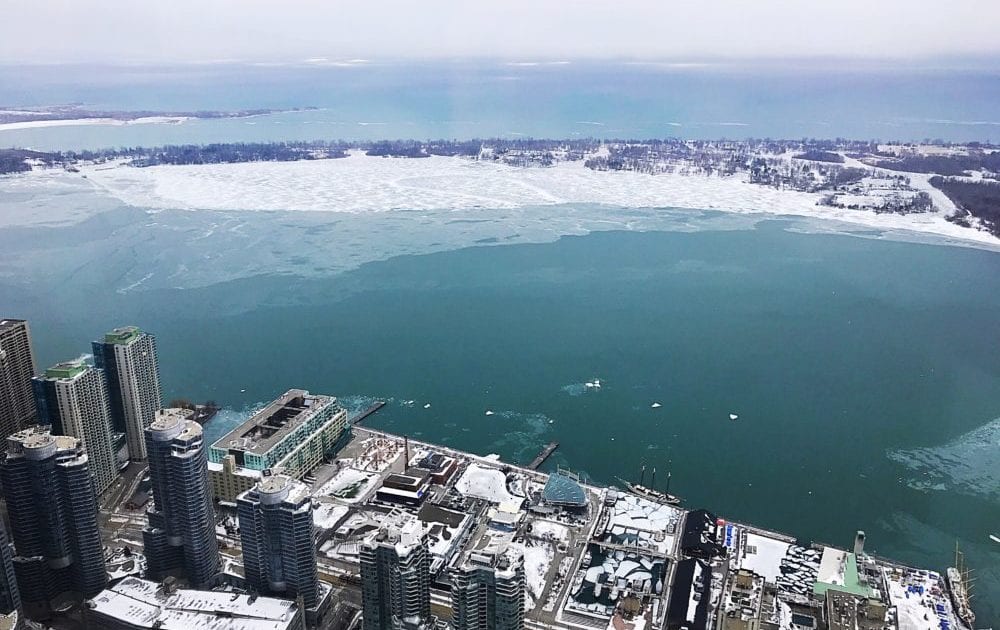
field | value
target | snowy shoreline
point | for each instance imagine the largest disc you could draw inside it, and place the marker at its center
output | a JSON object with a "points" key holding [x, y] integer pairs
{"points": [[363, 185], [77, 122]]}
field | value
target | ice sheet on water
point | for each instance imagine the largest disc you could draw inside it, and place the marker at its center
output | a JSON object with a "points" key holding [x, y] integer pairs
{"points": [[969, 464], [522, 433], [575, 389]]}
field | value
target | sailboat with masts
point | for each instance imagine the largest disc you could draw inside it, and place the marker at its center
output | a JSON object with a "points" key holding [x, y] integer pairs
{"points": [[959, 585], [649, 493]]}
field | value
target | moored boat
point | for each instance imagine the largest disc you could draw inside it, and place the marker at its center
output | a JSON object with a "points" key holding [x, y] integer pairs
{"points": [[648, 493], [958, 585]]}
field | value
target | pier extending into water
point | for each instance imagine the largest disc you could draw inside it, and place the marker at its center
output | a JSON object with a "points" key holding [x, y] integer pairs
{"points": [[544, 455], [375, 408]]}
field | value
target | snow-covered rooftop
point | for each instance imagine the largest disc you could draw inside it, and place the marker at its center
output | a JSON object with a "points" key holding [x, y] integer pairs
{"points": [[143, 604], [763, 556], [485, 483]]}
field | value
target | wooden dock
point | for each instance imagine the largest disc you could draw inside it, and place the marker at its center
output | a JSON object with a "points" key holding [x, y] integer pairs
{"points": [[544, 455], [367, 412]]}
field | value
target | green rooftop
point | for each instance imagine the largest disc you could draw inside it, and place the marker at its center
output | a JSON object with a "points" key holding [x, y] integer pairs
{"points": [[852, 584], [66, 369], [122, 335]]}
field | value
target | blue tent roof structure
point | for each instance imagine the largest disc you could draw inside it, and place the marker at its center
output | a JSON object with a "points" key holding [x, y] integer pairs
{"points": [[563, 488]]}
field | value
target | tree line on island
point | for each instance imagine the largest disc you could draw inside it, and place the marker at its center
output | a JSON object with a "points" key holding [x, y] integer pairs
{"points": [[979, 199]]}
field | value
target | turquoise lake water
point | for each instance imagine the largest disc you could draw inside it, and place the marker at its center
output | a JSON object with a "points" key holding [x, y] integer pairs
{"points": [[865, 373], [486, 99]]}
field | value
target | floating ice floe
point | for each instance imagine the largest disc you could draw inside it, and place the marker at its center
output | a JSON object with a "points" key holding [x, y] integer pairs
{"points": [[656, 405], [994, 538], [594, 384], [489, 412], [733, 416], [427, 406]]}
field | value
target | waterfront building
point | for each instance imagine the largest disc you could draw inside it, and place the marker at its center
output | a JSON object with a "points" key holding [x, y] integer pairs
{"points": [[488, 586], [17, 368], [137, 604], [73, 400], [180, 536], [395, 576], [10, 596], [278, 539], [408, 488], [291, 435], [52, 508], [563, 490], [229, 481], [128, 357]]}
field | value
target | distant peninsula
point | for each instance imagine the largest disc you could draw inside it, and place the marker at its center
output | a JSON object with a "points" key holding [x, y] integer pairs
{"points": [[78, 114]]}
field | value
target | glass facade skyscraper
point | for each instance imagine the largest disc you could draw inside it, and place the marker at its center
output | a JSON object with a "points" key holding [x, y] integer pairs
{"points": [[279, 545], [53, 517], [180, 535], [128, 357]]}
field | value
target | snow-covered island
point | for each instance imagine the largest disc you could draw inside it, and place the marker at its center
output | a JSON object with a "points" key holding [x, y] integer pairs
{"points": [[946, 191]]}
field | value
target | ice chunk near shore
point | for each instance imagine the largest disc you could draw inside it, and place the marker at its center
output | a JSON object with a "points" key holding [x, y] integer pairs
{"points": [[656, 405]]}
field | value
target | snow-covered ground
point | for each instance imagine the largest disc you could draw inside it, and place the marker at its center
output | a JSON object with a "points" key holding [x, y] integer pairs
{"points": [[363, 184], [920, 599], [550, 530], [484, 483], [537, 560]]}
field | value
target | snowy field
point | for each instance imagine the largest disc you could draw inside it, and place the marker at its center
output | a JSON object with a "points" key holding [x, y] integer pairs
{"points": [[363, 184], [537, 560]]}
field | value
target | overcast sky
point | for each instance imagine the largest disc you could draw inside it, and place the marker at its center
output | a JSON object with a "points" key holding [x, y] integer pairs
{"points": [[288, 30]]}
